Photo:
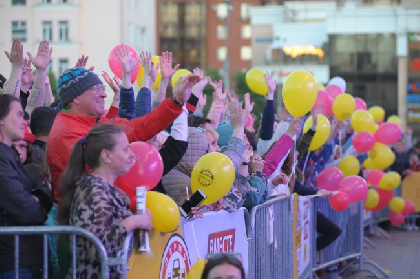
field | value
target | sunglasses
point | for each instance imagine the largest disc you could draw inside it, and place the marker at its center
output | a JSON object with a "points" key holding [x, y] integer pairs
{"points": [[214, 256]]}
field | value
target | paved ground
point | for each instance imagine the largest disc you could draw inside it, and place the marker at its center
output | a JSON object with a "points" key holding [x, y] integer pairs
{"points": [[400, 256]]}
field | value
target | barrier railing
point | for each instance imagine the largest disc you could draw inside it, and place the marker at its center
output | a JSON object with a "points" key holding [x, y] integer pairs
{"points": [[73, 232]]}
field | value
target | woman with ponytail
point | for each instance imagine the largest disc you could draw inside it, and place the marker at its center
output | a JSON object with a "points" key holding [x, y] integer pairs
{"points": [[89, 199]]}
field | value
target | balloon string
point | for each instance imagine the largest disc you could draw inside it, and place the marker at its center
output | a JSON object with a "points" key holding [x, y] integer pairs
{"points": [[306, 161], [195, 239]]}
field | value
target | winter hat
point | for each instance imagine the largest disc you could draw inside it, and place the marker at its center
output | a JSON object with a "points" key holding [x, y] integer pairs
{"points": [[225, 132], [74, 82]]}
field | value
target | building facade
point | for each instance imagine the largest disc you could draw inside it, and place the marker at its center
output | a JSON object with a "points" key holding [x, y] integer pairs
{"points": [[76, 27], [373, 46]]}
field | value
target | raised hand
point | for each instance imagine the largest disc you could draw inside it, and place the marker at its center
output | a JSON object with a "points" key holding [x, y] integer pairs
{"points": [[294, 128], [43, 56], [16, 54], [81, 62], [114, 86], [271, 85], [280, 179], [128, 63], [218, 94], [27, 75], [146, 62], [248, 105], [237, 117], [202, 101], [183, 87], [166, 65], [198, 72]]}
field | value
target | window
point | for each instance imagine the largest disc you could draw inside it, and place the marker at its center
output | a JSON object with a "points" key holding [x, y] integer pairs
{"points": [[244, 11], [221, 53], [63, 32], [19, 30], [221, 32], [246, 31], [140, 32], [63, 64], [47, 30], [222, 10], [246, 53], [18, 2], [46, 1], [62, 1]]}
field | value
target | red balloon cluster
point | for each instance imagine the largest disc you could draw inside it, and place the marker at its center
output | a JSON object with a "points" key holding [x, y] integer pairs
{"points": [[340, 201]]}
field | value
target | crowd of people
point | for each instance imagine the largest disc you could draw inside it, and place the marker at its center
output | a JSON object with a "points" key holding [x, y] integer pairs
{"points": [[59, 159]]}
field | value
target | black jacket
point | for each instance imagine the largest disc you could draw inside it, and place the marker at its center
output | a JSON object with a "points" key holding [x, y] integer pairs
{"points": [[18, 207]]}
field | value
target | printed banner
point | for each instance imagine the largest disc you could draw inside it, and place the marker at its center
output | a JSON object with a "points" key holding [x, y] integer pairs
{"points": [[217, 232], [168, 259], [301, 235]]}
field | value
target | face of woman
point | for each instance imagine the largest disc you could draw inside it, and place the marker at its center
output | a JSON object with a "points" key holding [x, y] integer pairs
{"points": [[121, 158], [225, 271], [12, 127], [22, 148], [214, 147]]}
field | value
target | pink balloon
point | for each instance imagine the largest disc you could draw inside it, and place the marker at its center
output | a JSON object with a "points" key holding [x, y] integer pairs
{"points": [[409, 208], [363, 141], [355, 186], [329, 178], [146, 171], [340, 201], [397, 219], [360, 104], [384, 198], [328, 105], [333, 91], [374, 176], [320, 99], [380, 122], [388, 133], [115, 63]]}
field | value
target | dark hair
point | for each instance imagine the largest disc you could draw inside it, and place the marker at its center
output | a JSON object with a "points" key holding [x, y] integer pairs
{"points": [[42, 119], [5, 101], [26, 116], [250, 137], [223, 259], [38, 171], [84, 152], [197, 121]]}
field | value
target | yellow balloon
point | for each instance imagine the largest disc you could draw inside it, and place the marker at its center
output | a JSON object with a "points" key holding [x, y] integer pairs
{"points": [[372, 199], [349, 165], [322, 131], [397, 204], [368, 164], [255, 79], [343, 106], [362, 120], [299, 93], [178, 74], [158, 77], [382, 156], [377, 112], [394, 119], [164, 210], [214, 174], [390, 181], [197, 269]]}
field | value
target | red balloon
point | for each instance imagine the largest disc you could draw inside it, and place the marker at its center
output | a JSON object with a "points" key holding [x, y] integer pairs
{"points": [[340, 201], [363, 141], [397, 219], [333, 91], [115, 63], [374, 176], [355, 186], [146, 171], [360, 104], [388, 133], [329, 178], [133, 204], [384, 198], [409, 208]]}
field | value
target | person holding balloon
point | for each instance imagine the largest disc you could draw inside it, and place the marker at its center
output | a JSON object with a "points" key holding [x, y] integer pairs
{"points": [[91, 201]]}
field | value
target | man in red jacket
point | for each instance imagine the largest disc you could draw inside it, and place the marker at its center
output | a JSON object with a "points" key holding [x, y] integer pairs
{"points": [[83, 97]]}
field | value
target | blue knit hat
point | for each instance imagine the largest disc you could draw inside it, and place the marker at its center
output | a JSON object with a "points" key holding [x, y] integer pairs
{"points": [[74, 82], [225, 131]]}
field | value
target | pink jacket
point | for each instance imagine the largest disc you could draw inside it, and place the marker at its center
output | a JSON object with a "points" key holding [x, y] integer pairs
{"points": [[276, 154]]}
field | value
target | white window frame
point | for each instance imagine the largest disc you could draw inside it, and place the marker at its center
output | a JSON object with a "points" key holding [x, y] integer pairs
{"points": [[63, 31]]}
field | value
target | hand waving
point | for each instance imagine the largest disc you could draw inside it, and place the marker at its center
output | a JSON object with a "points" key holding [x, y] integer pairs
{"points": [[43, 56], [166, 65], [16, 54], [128, 63]]}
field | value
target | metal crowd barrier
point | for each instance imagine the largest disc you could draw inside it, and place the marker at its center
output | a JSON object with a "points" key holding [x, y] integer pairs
{"points": [[73, 232], [348, 247], [270, 252]]}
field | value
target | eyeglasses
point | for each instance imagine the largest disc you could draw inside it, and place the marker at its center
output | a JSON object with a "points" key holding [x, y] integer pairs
{"points": [[98, 88], [214, 256]]}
